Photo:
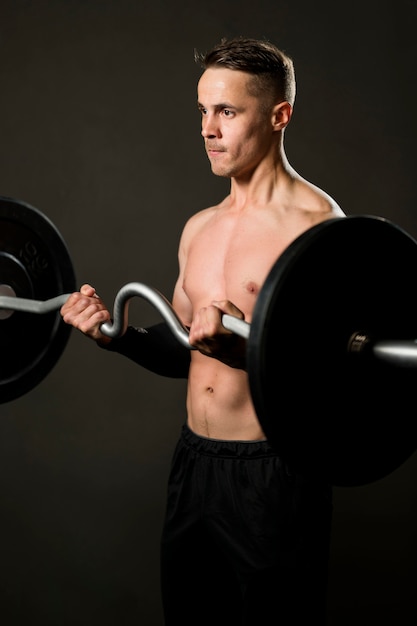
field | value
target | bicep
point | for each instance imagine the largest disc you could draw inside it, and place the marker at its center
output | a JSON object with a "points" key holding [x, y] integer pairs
{"points": [[180, 301], [181, 304]]}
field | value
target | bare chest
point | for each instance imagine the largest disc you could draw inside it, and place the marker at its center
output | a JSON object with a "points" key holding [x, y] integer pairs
{"points": [[230, 264]]}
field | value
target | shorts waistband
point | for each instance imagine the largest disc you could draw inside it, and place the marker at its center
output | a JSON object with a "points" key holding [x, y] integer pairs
{"points": [[226, 448]]}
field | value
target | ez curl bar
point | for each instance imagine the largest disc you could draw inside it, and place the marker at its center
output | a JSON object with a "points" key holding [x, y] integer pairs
{"points": [[332, 339]]}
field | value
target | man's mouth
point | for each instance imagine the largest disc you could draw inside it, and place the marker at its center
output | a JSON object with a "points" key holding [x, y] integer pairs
{"points": [[213, 148]]}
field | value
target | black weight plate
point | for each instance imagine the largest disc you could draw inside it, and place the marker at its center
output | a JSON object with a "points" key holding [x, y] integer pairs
{"points": [[349, 417], [36, 264]]}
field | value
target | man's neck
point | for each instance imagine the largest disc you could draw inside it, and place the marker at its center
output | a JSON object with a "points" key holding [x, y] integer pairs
{"points": [[262, 185]]}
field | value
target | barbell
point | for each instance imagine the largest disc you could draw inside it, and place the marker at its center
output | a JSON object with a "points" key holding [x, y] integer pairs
{"points": [[331, 349], [34, 264]]}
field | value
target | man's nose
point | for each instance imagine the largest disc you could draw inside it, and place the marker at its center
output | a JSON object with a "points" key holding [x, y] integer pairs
{"points": [[209, 128]]}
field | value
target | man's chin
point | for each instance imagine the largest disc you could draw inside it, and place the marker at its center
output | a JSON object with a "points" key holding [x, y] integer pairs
{"points": [[219, 171]]}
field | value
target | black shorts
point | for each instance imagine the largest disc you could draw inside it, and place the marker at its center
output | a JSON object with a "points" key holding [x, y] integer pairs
{"points": [[245, 540]]}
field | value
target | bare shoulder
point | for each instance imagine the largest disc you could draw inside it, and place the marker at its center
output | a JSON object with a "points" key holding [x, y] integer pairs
{"points": [[199, 220], [313, 203]]}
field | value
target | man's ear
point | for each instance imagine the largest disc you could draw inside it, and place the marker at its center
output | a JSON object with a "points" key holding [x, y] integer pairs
{"points": [[281, 115]]}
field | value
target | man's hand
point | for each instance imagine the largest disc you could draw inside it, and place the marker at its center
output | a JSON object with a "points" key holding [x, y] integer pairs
{"points": [[212, 339], [86, 311]]}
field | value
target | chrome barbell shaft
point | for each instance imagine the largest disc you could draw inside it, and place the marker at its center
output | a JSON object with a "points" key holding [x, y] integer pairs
{"points": [[160, 302], [26, 305], [117, 328], [397, 352], [400, 352]]}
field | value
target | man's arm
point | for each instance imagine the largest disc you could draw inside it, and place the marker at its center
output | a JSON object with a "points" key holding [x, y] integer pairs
{"points": [[155, 348]]}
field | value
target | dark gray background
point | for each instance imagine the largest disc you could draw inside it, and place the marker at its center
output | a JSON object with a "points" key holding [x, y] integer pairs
{"points": [[99, 130]]}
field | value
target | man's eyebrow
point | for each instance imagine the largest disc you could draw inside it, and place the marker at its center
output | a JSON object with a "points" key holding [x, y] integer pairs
{"points": [[217, 107]]}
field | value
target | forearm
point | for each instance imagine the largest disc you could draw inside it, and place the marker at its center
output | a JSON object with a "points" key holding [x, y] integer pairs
{"points": [[154, 348]]}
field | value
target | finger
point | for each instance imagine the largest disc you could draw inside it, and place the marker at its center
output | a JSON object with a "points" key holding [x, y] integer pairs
{"points": [[205, 325], [90, 321], [69, 303], [88, 290], [83, 311], [228, 307]]}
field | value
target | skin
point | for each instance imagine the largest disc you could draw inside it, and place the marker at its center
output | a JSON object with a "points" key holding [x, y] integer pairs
{"points": [[226, 251]]}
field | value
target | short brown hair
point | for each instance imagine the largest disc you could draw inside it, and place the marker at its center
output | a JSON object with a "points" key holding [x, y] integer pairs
{"points": [[272, 68]]}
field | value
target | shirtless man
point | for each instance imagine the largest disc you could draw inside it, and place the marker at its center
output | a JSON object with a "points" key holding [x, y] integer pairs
{"points": [[245, 539]]}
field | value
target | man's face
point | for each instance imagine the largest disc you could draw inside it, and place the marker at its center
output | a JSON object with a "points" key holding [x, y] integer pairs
{"points": [[236, 130]]}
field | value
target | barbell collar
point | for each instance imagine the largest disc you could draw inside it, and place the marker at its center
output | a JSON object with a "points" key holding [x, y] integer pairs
{"points": [[398, 352]]}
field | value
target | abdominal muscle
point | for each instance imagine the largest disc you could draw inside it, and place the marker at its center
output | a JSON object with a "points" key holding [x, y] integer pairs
{"points": [[219, 405]]}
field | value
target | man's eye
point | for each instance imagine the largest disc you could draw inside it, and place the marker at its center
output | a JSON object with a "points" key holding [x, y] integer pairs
{"points": [[227, 112]]}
